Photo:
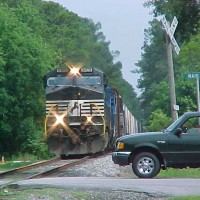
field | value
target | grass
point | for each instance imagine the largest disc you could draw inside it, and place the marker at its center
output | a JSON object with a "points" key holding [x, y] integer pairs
{"points": [[17, 161], [50, 193], [179, 173], [185, 198], [12, 165]]}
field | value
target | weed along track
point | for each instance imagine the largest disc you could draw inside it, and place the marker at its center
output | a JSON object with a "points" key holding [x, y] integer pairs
{"points": [[39, 170]]}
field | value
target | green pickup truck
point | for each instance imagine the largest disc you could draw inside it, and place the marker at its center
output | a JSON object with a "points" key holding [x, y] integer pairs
{"points": [[178, 146]]}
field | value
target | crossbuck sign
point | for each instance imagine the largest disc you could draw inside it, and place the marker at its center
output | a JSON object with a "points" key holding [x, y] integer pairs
{"points": [[170, 31]]}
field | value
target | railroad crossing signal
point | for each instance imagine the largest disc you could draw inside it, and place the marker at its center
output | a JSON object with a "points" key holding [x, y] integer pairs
{"points": [[173, 26], [170, 41], [170, 31]]}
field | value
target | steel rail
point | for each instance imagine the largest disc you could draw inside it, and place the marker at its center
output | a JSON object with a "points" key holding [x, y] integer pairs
{"points": [[59, 168]]}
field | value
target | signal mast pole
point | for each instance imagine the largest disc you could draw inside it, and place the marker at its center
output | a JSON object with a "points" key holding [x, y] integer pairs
{"points": [[171, 79], [170, 40]]}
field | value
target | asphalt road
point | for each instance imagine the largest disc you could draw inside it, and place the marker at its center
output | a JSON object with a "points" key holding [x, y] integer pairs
{"points": [[174, 187]]}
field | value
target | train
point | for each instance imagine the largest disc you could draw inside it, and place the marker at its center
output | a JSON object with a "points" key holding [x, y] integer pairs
{"points": [[84, 115]]}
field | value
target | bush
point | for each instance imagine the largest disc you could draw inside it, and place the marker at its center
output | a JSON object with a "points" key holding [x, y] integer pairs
{"points": [[158, 121]]}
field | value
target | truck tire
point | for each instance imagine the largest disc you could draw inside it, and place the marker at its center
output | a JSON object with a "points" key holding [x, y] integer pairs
{"points": [[146, 165]]}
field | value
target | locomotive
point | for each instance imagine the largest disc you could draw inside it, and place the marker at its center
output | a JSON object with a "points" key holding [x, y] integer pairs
{"points": [[83, 114]]}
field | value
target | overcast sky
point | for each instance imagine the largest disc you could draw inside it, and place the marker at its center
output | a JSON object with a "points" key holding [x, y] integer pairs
{"points": [[123, 23]]}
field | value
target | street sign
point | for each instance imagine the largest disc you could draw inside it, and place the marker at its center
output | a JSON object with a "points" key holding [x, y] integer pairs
{"points": [[195, 75], [192, 75], [170, 31]]}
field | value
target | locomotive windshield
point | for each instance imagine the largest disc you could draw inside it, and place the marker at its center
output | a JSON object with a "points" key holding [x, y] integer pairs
{"points": [[82, 80]]}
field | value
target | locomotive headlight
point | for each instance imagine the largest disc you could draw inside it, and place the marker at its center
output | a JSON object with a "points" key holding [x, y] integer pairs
{"points": [[75, 71], [89, 120], [59, 119], [120, 145]]}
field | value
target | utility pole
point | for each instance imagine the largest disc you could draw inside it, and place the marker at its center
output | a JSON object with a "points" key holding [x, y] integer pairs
{"points": [[171, 79], [170, 40]]}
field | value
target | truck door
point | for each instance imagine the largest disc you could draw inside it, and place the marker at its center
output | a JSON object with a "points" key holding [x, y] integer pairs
{"points": [[186, 147]]}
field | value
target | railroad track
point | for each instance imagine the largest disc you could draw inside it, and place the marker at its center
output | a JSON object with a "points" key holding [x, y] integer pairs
{"points": [[39, 170]]}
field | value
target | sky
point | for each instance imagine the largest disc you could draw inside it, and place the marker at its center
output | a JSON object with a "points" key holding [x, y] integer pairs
{"points": [[123, 23]]}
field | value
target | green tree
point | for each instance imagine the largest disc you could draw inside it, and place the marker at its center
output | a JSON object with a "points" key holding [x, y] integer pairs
{"points": [[158, 121], [189, 62], [152, 66], [24, 59]]}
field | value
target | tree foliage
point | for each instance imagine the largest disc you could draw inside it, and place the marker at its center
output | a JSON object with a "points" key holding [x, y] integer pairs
{"points": [[24, 59], [158, 121]]}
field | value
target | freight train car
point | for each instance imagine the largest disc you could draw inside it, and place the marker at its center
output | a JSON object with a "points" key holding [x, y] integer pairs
{"points": [[83, 114]]}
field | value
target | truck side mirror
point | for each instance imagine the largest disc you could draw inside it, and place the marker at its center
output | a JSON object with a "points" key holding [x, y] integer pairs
{"points": [[178, 132]]}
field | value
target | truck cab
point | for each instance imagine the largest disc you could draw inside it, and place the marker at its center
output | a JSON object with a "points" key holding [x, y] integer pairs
{"points": [[178, 146]]}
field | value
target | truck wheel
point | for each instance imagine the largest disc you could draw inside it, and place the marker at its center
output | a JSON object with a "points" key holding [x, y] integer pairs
{"points": [[146, 165]]}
